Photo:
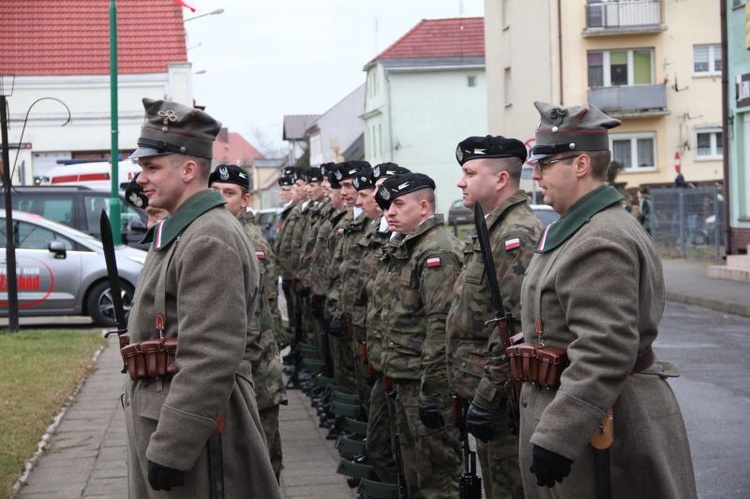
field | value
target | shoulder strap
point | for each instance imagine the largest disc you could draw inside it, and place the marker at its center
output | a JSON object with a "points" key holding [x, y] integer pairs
{"points": [[537, 305], [160, 297]]}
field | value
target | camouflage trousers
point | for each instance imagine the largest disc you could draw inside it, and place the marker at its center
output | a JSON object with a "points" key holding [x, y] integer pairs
{"points": [[269, 419], [431, 458], [309, 331], [343, 365], [498, 458], [361, 371], [379, 449]]}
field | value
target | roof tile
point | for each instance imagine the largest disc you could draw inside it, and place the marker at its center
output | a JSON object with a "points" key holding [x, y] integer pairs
{"points": [[71, 37]]}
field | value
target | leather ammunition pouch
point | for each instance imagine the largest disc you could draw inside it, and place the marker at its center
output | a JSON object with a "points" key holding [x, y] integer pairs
{"points": [[151, 359], [538, 364]]}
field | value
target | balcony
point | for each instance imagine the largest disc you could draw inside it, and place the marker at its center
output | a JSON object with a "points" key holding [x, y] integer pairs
{"points": [[636, 101], [616, 17]]}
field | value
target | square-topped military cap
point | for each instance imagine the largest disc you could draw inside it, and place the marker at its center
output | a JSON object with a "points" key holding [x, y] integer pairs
{"points": [[490, 147], [398, 185], [575, 128], [229, 174], [172, 128]]}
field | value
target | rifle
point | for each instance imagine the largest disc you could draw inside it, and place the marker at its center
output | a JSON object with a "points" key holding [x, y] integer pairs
{"points": [[108, 245], [403, 490], [469, 484], [504, 319]]}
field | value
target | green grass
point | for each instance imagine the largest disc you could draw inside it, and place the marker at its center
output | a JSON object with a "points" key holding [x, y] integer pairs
{"points": [[40, 369]]}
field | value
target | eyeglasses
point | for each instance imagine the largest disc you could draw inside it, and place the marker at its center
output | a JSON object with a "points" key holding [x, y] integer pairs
{"points": [[542, 164]]}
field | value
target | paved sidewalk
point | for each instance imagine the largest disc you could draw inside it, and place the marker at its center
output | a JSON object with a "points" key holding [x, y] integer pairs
{"points": [[86, 455]]}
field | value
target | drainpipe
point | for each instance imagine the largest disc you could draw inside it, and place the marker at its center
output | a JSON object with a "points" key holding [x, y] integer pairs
{"points": [[390, 113], [560, 49], [725, 127]]}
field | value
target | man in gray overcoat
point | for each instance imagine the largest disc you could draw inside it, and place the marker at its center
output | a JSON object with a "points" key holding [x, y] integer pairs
{"points": [[595, 290], [200, 286]]}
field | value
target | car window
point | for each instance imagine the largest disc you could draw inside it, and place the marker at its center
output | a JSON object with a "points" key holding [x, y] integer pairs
{"points": [[93, 206], [58, 209], [31, 236]]}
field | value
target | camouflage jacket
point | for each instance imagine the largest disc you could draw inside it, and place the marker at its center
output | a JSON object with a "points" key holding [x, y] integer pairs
{"points": [[512, 229], [416, 305], [323, 251], [265, 327], [332, 264], [289, 218], [297, 237], [317, 212], [372, 242], [349, 256]]}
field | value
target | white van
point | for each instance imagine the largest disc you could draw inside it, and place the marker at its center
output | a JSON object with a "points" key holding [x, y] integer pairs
{"points": [[94, 175]]}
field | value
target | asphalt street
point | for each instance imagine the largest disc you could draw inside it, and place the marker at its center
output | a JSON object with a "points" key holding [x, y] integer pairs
{"points": [[710, 349]]}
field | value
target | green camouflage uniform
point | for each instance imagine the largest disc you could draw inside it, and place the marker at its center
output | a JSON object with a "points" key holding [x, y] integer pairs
{"points": [[348, 309], [264, 354], [379, 449], [289, 218], [298, 264], [316, 212], [512, 229], [419, 266]]}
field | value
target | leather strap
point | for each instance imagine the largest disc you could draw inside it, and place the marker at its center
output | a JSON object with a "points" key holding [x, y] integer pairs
{"points": [[643, 361]]}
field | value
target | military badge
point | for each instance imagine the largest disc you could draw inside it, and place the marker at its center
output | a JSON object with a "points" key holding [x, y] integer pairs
{"points": [[385, 193], [434, 262], [511, 244], [223, 173]]}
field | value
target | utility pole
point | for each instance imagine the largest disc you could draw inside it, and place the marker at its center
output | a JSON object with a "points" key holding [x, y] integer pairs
{"points": [[114, 155], [10, 248]]}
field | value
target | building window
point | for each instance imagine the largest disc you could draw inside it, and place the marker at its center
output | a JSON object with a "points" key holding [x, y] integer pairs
{"points": [[508, 84], [708, 144], [471, 81], [611, 68], [635, 151], [707, 59]]}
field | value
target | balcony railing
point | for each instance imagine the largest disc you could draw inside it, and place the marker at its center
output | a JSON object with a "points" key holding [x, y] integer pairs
{"points": [[621, 15], [630, 100]]}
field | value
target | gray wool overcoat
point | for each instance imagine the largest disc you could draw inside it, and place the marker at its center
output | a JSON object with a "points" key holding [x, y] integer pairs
{"points": [[211, 291], [602, 300]]}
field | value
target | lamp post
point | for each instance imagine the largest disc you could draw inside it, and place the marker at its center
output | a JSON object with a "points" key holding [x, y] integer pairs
{"points": [[114, 155], [212, 13], [10, 248]]}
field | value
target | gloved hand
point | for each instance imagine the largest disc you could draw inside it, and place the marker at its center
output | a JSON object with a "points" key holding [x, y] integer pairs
{"points": [[336, 328], [431, 415], [513, 415], [479, 421], [548, 466], [163, 478]]}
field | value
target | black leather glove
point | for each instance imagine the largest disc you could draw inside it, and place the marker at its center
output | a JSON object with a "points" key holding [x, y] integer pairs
{"points": [[548, 466], [336, 328], [479, 421], [431, 415], [513, 415], [163, 478]]}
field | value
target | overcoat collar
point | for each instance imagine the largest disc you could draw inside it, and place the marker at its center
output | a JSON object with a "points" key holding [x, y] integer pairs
{"points": [[580, 213], [166, 230]]}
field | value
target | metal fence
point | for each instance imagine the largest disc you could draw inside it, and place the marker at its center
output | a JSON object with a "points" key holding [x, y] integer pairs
{"points": [[689, 222]]}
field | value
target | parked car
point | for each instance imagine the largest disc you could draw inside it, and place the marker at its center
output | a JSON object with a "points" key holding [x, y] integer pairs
{"points": [[460, 214], [62, 271], [269, 221], [80, 208]]}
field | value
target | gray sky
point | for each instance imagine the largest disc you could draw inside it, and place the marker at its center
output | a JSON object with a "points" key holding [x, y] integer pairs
{"points": [[267, 58]]}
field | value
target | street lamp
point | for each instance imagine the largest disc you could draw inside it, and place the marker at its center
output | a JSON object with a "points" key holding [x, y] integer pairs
{"points": [[6, 89], [212, 13]]}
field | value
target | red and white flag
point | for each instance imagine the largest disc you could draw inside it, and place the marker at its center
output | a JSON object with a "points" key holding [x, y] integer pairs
{"points": [[186, 4], [512, 244], [433, 262]]}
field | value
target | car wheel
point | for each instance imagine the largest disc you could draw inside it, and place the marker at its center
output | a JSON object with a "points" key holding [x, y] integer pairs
{"points": [[100, 306]]}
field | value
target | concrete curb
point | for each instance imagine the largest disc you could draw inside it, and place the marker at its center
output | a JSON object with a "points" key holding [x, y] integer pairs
{"points": [[714, 304]]}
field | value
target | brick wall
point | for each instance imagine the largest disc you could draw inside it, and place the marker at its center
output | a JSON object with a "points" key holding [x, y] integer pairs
{"points": [[740, 241]]}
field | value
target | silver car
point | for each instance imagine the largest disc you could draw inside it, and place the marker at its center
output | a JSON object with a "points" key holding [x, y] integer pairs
{"points": [[62, 271]]}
